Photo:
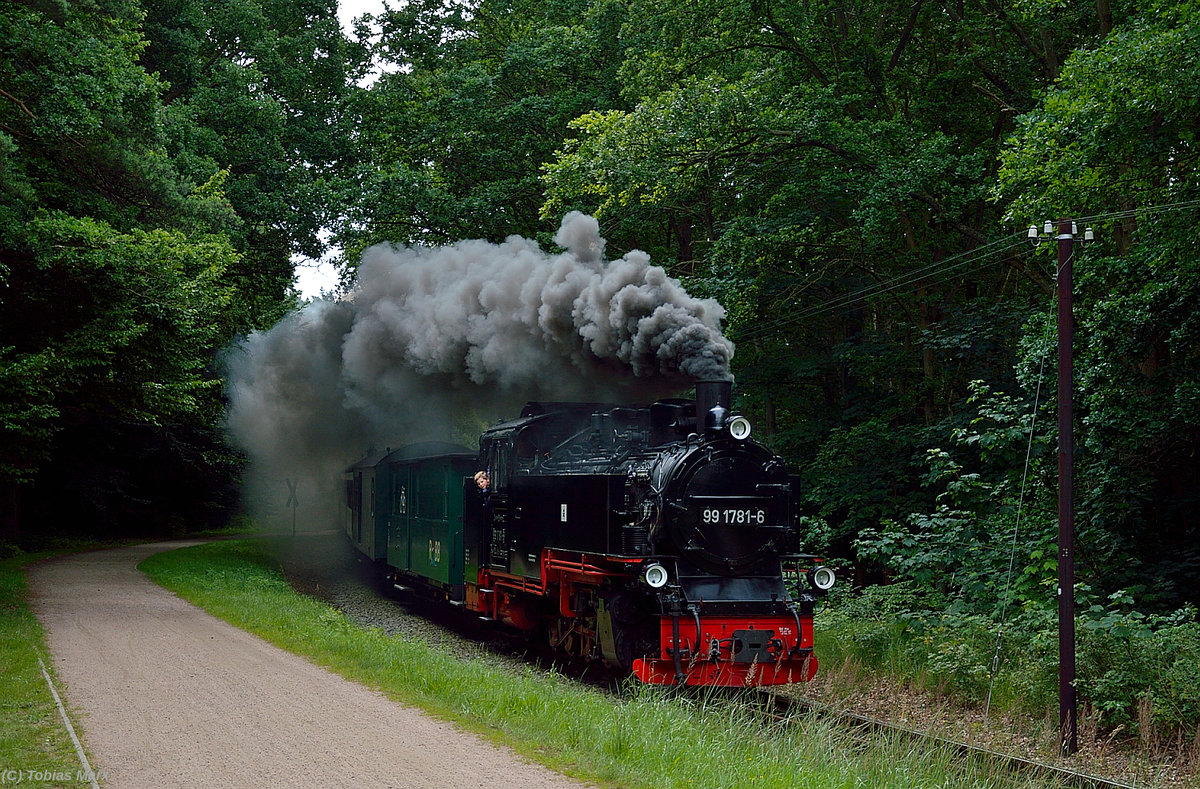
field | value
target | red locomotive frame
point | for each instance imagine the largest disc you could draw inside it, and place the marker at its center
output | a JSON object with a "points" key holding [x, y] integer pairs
{"points": [[784, 657]]}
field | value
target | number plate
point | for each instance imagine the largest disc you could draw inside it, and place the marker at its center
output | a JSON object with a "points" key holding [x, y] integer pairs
{"points": [[734, 516], [731, 511]]}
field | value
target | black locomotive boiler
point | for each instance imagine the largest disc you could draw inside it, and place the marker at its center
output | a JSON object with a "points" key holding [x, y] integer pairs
{"points": [[659, 539]]}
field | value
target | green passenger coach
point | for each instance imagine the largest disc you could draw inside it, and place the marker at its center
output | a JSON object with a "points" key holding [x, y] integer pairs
{"points": [[405, 511]]}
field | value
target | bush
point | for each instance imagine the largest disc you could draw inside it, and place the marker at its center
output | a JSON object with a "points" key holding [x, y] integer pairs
{"points": [[1125, 659], [1137, 671]]}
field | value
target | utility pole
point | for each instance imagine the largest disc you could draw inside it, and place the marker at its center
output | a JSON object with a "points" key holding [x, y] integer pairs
{"points": [[1067, 705]]}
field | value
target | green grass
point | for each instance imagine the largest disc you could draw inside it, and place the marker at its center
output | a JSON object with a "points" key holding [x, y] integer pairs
{"points": [[646, 737], [32, 735], [938, 652]]}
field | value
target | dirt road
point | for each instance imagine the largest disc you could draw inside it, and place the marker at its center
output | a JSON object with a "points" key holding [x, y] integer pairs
{"points": [[170, 696]]}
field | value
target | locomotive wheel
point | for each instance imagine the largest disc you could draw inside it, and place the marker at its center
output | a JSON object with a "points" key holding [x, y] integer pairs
{"points": [[567, 645], [634, 642], [634, 633], [629, 608]]}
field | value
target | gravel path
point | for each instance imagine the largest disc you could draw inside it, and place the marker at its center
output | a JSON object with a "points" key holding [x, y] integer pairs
{"points": [[169, 696]]}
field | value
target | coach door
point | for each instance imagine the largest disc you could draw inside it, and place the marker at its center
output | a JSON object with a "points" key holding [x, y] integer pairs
{"points": [[431, 542], [399, 549], [353, 480]]}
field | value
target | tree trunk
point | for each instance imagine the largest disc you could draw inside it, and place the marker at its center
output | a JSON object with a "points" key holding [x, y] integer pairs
{"points": [[1050, 58], [1104, 11], [928, 366], [682, 230], [10, 511]]}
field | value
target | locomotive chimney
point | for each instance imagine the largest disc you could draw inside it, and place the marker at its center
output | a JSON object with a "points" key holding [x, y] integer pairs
{"points": [[710, 395]]}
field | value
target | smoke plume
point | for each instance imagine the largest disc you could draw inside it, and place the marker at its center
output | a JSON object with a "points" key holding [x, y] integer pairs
{"points": [[429, 335]]}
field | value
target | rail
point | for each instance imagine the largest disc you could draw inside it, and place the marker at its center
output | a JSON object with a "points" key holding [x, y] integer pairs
{"points": [[1055, 775]]}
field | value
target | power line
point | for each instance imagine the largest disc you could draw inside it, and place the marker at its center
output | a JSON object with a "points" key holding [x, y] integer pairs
{"points": [[938, 271], [977, 256], [1128, 213]]}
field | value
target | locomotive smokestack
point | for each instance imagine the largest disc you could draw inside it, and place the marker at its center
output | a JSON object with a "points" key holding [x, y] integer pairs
{"points": [[710, 395]]}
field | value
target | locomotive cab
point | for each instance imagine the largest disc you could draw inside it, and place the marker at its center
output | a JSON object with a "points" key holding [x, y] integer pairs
{"points": [[539, 501], [652, 538]]}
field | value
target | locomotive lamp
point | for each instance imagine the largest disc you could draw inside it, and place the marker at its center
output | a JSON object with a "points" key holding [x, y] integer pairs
{"points": [[655, 576], [739, 427], [822, 578]]}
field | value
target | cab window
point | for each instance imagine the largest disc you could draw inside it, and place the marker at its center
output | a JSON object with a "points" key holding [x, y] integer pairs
{"points": [[500, 464]]}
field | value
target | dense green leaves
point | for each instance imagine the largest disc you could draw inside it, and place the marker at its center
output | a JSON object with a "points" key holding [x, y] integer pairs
{"points": [[1116, 137], [135, 343], [159, 165], [1118, 131], [475, 101], [78, 115], [848, 179], [260, 89]]}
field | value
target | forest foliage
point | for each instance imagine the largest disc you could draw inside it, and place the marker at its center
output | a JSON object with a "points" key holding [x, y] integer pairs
{"points": [[852, 180]]}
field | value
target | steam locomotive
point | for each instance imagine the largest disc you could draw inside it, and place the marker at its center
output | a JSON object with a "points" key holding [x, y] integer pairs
{"points": [[660, 539]]}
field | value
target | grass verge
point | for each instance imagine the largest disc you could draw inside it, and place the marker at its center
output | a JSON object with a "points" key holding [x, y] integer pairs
{"points": [[32, 736], [646, 737]]}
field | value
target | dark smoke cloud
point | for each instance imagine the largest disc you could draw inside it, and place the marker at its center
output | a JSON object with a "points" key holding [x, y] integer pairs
{"points": [[430, 334]]}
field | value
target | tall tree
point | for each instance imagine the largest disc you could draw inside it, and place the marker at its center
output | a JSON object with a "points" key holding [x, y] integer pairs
{"points": [[475, 99], [103, 322], [1116, 140], [789, 154], [261, 90], [146, 217]]}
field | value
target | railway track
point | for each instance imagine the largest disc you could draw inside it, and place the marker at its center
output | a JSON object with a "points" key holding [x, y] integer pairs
{"points": [[358, 595], [784, 708]]}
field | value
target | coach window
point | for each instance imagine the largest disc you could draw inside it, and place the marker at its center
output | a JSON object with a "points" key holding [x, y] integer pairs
{"points": [[431, 494]]}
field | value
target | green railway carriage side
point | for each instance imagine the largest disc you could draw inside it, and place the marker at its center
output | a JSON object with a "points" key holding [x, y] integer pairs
{"points": [[364, 519], [405, 512]]}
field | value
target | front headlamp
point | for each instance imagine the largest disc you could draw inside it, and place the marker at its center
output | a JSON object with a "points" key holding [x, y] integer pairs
{"points": [[739, 427], [822, 578], [655, 576]]}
